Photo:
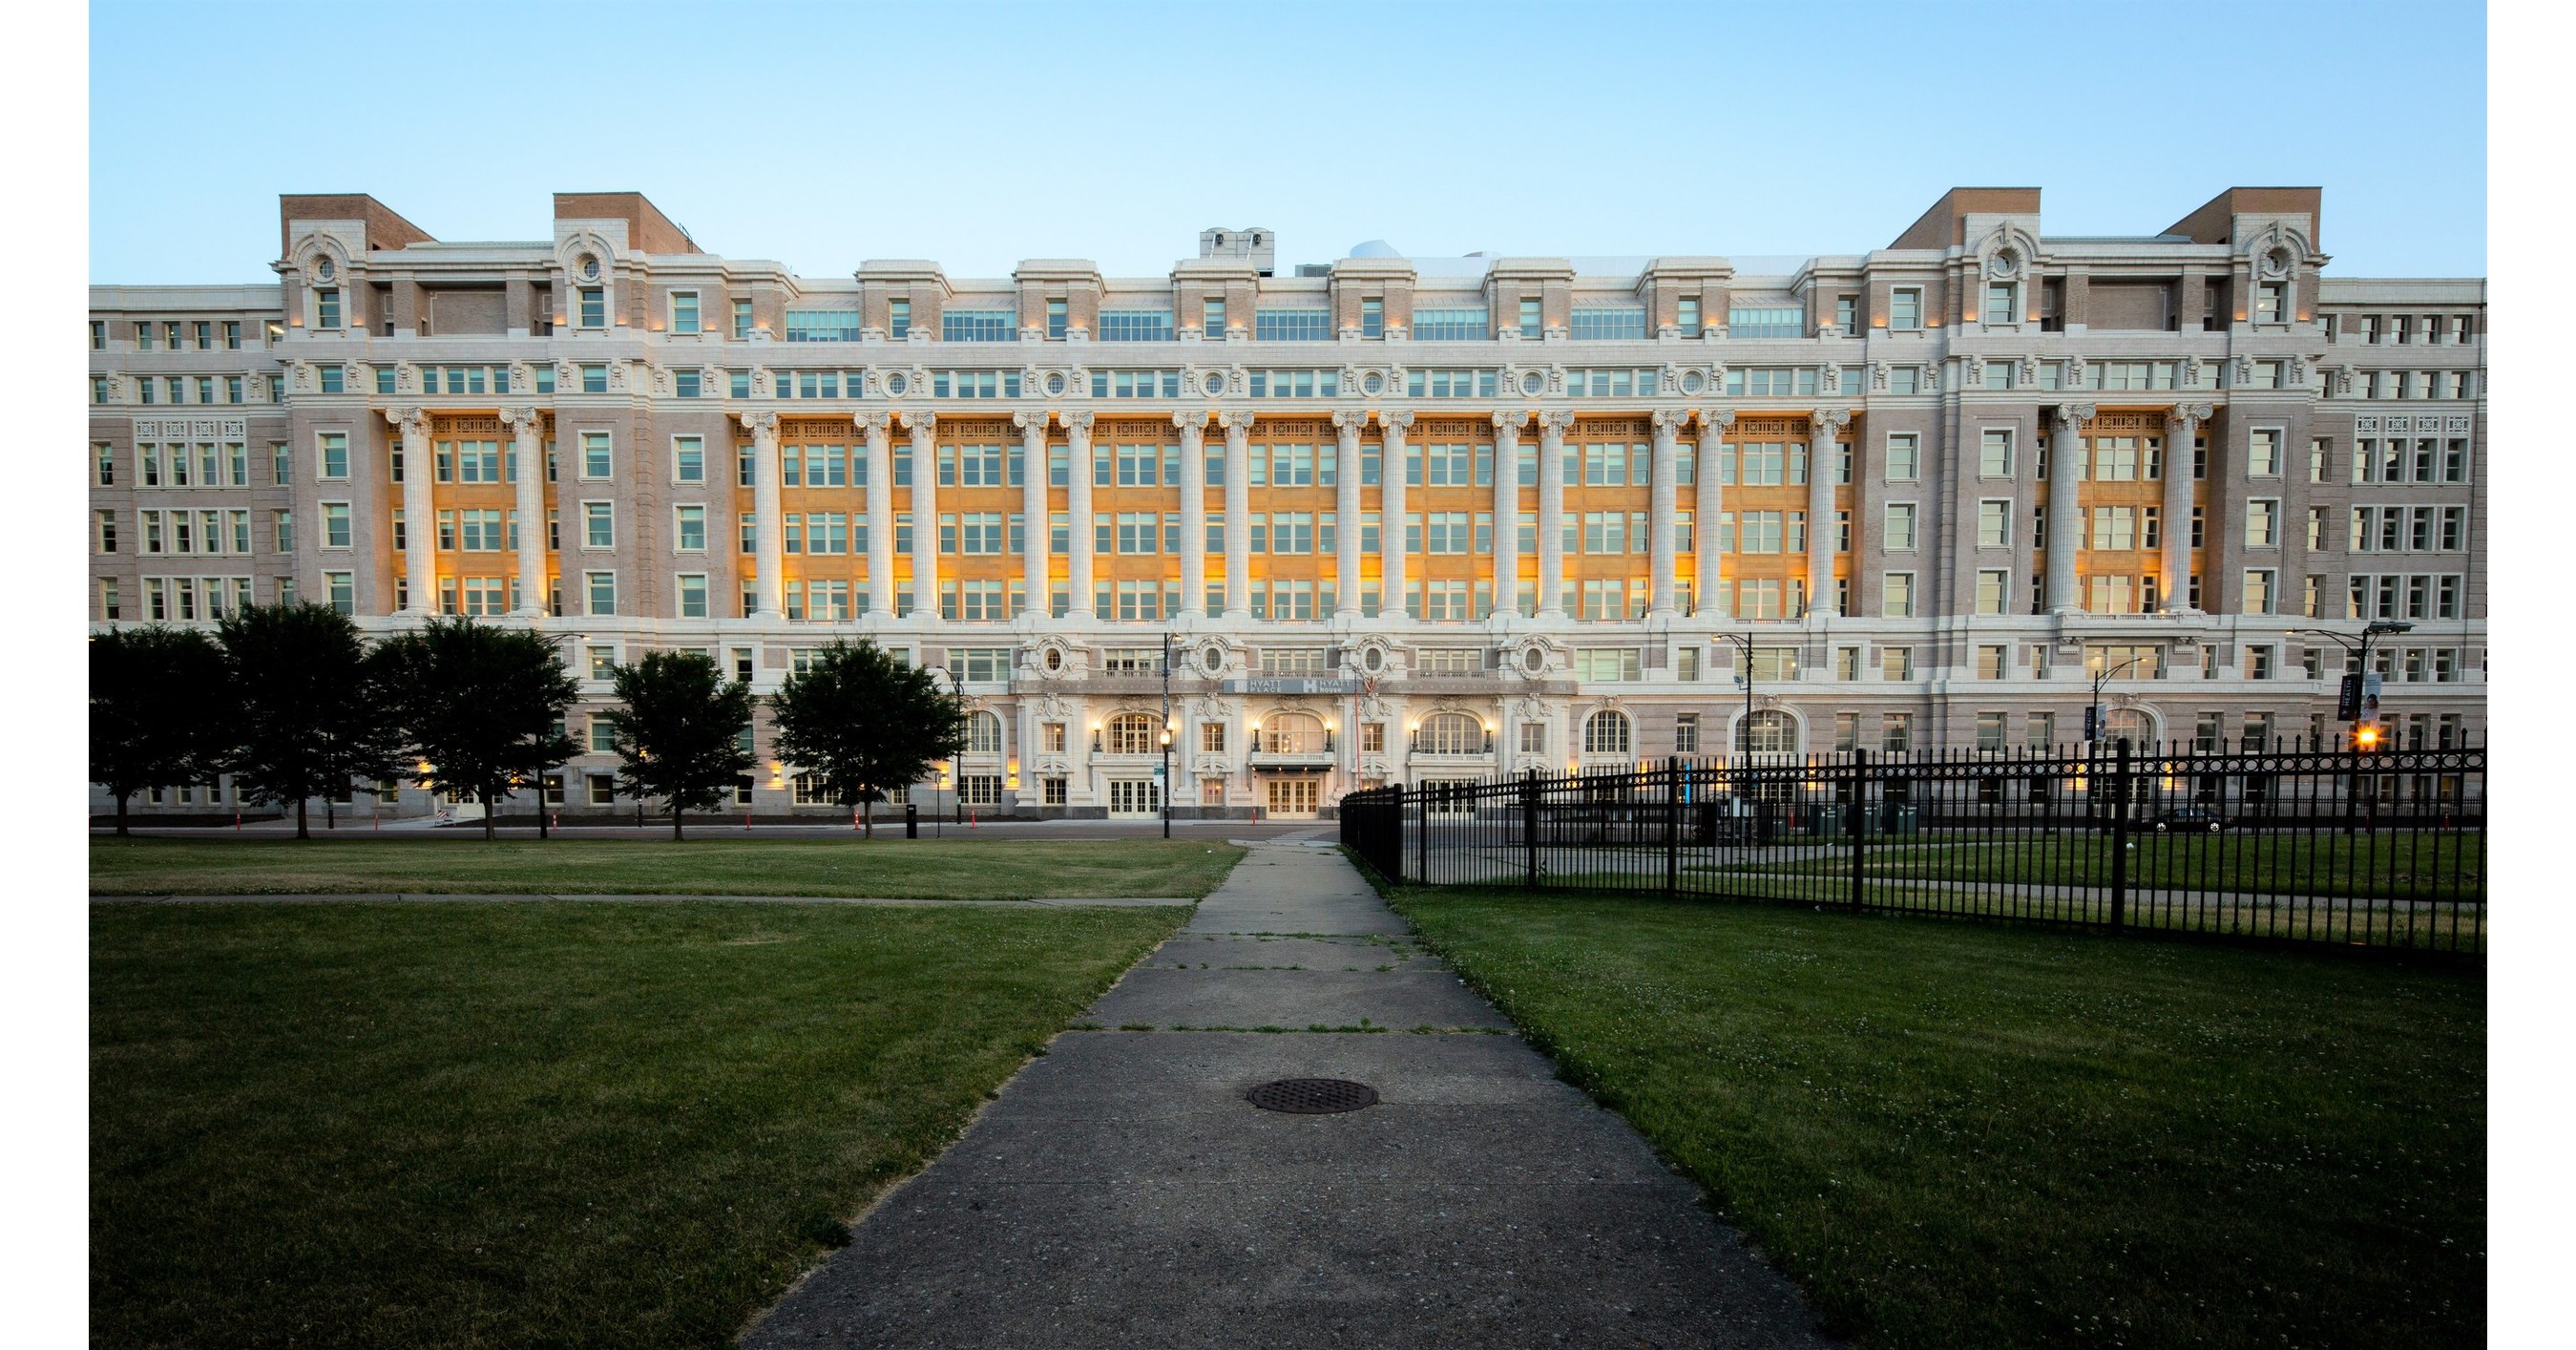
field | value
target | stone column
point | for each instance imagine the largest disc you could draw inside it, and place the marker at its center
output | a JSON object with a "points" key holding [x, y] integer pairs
{"points": [[769, 550], [531, 486], [1077, 508], [925, 512], [1711, 503], [1033, 505], [1822, 426], [1346, 507], [420, 516], [872, 425], [1238, 519], [2065, 523], [1552, 426], [1391, 556], [1660, 508], [1507, 512], [2181, 424]]}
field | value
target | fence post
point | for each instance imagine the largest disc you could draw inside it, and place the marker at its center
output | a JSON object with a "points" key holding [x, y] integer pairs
{"points": [[1529, 827], [2120, 835], [1859, 821], [1422, 834], [1672, 824]]}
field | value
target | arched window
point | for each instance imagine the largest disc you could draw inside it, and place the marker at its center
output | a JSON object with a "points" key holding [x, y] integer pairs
{"points": [[1606, 733], [2128, 724], [1450, 733], [1770, 732], [1288, 733], [983, 734], [1134, 734]]}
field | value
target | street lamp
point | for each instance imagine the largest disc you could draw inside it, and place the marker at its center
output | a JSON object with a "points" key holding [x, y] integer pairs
{"points": [[2093, 727], [2357, 673], [1167, 735], [1743, 644]]}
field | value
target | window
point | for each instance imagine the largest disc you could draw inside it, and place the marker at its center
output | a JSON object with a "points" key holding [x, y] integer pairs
{"points": [[1607, 663], [1134, 325], [335, 525], [1686, 733], [341, 588], [599, 524], [594, 454], [2268, 300], [602, 589], [1372, 317], [822, 325], [326, 307], [1905, 309], [2263, 455], [1609, 323], [2262, 523], [594, 306], [1896, 663], [742, 321], [689, 383], [1896, 595], [594, 379], [1995, 453], [1606, 733], [1448, 325], [1994, 587], [334, 381], [1765, 321], [1292, 325], [1896, 732], [2258, 590], [1899, 531]]}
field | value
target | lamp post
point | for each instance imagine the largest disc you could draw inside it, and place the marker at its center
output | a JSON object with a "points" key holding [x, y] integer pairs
{"points": [[1167, 735], [2357, 674], [1743, 644], [2093, 727]]}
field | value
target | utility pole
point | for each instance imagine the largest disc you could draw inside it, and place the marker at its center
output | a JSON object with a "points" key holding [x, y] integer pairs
{"points": [[1167, 734], [2354, 702]]}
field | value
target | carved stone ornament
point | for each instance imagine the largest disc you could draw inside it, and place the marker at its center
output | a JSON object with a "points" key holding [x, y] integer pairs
{"points": [[873, 422], [408, 420], [1371, 706], [2187, 416], [1976, 371], [1191, 425], [760, 423], [1078, 422], [1508, 425], [519, 420], [1555, 422], [2074, 414], [921, 421], [1878, 377], [1832, 378], [1528, 709], [1209, 766], [1053, 708], [1717, 417], [1668, 422], [1030, 421], [1349, 421], [1831, 420], [1394, 422], [1375, 766], [1236, 421]]}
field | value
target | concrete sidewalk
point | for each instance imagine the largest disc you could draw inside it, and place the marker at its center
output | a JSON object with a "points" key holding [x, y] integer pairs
{"points": [[470, 897], [1122, 1192]]}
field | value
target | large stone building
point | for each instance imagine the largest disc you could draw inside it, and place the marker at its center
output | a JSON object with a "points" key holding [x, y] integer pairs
{"points": [[1401, 518]]}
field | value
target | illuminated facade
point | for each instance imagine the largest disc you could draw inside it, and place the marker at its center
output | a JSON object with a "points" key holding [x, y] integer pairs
{"points": [[1403, 519]]}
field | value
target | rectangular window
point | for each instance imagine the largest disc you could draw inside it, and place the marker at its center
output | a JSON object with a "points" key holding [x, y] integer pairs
{"points": [[1899, 530], [1995, 453], [1905, 309], [1896, 595], [2263, 454], [1904, 452], [594, 306], [684, 317], [326, 307], [2262, 523]]}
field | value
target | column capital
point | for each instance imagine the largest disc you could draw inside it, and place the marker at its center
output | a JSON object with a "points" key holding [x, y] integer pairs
{"points": [[1349, 421], [1077, 423], [761, 423], [1510, 423], [519, 420], [410, 421], [1831, 420], [1030, 421], [1394, 421], [2074, 414], [872, 421], [2185, 416], [1553, 423], [922, 421], [1668, 422], [1236, 421], [1715, 419]]}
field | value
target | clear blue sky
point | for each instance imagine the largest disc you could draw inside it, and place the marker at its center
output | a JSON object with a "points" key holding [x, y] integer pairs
{"points": [[821, 135]]}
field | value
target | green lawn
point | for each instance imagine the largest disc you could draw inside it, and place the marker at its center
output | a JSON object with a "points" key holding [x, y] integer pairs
{"points": [[2412, 865], [1957, 1135], [532, 1124], [930, 869]]}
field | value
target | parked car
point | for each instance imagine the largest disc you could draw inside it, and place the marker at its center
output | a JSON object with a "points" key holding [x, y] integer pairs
{"points": [[2190, 818]]}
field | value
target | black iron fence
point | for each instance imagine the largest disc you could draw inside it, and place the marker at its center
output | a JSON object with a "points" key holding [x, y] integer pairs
{"points": [[2379, 849]]}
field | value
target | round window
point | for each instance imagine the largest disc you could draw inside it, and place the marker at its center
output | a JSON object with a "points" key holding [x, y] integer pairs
{"points": [[1372, 383], [589, 267], [1213, 383], [1373, 660], [1532, 383], [1533, 660], [1212, 659], [1055, 658], [1055, 383], [324, 269], [1693, 381], [897, 383]]}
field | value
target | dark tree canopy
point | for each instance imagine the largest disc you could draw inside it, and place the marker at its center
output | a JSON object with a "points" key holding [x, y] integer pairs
{"points": [[679, 733], [862, 722], [482, 705], [157, 710], [308, 712]]}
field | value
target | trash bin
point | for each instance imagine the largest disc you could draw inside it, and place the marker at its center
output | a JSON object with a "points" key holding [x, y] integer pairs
{"points": [[911, 820], [1897, 818]]}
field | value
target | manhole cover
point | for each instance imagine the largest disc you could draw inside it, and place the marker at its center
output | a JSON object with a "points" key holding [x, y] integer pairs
{"points": [[1312, 1096]]}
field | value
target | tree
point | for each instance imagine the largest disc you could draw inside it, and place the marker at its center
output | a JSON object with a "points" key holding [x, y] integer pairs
{"points": [[680, 731], [156, 707], [482, 706], [862, 722], [308, 710]]}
